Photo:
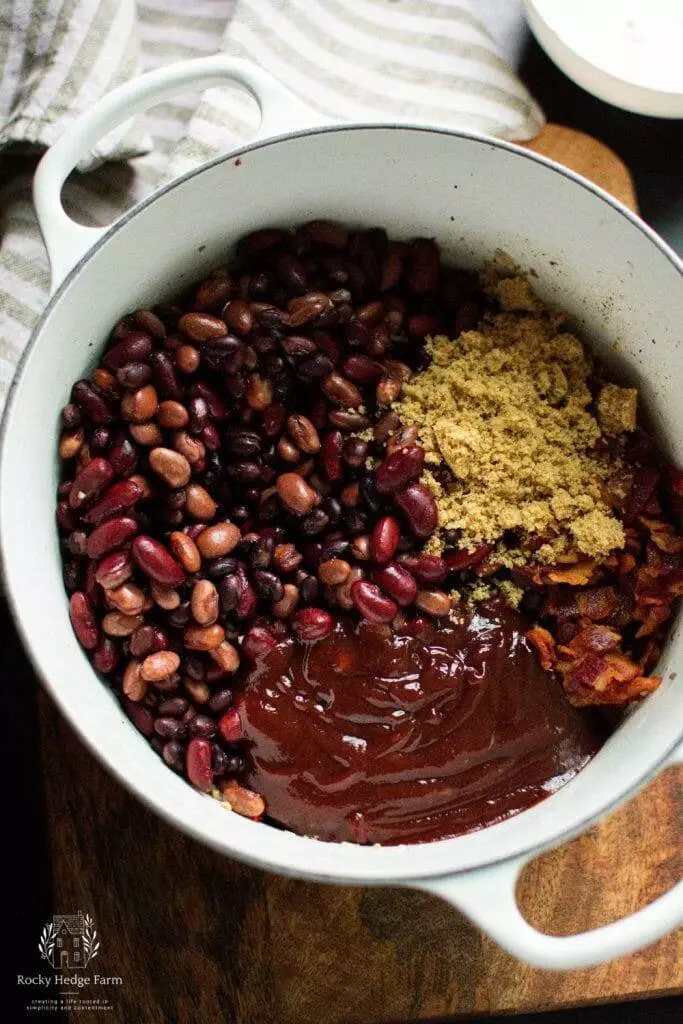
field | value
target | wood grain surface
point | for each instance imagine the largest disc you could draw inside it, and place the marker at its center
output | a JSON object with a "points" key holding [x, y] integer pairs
{"points": [[199, 939]]}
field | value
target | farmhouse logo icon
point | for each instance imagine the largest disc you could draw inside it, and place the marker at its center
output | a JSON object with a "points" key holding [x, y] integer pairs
{"points": [[69, 941]]}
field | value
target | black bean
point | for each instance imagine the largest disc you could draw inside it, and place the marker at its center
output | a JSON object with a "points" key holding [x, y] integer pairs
{"points": [[220, 701], [267, 585]]}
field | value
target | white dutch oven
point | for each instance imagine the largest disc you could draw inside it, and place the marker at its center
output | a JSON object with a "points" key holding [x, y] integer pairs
{"points": [[473, 194]]}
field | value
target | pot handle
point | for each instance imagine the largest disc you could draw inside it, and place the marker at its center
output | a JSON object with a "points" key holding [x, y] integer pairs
{"points": [[67, 241], [487, 896]]}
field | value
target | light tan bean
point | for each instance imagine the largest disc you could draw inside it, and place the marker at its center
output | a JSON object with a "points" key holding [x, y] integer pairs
{"points": [[118, 624], [204, 603], [218, 540], [186, 551], [159, 666]]}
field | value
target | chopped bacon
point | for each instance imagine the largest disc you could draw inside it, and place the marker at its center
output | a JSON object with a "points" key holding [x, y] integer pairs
{"points": [[543, 643], [663, 535], [652, 618], [576, 575], [597, 603], [643, 483]]}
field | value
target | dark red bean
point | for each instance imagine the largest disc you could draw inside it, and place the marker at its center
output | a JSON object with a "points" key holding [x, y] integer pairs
{"points": [[134, 375], [157, 562], [83, 621], [71, 416], [259, 242], [230, 725], [173, 754], [136, 347], [424, 267], [163, 367], [113, 570], [425, 568], [122, 455], [140, 716], [455, 561], [94, 406], [105, 656], [113, 533], [90, 482], [384, 540], [198, 764], [397, 582], [419, 508], [312, 623], [399, 468], [372, 604], [120, 497], [361, 369], [257, 643], [331, 456]]}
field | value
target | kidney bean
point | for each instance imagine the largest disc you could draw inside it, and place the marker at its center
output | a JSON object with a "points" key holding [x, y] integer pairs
{"points": [[203, 638], [122, 455], [141, 642], [372, 604], [83, 621], [119, 624], [312, 623], [333, 571], [199, 503], [141, 405], [361, 369], [305, 308], [202, 326], [146, 434], [419, 508], [156, 562], [304, 434], [135, 348], [346, 420], [399, 468], [218, 540], [387, 391], [397, 582], [133, 376], [354, 452], [198, 764], [173, 707], [92, 404], [243, 801], [434, 602], [159, 665], [105, 656], [113, 570], [384, 540], [202, 725], [166, 597], [127, 598], [327, 234], [70, 444], [316, 367], [90, 482], [171, 415], [283, 608], [341, 391], [171, 466], [230, 725], [238, 316], [186, 551], [187, 359], [214, 292], [259, 392], [295, 494], [456, 561], [425, 568], [286, 558], [257, 643], [204, 602]]}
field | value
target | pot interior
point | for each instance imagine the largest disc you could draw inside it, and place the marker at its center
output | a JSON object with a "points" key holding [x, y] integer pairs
{"points": [[474, 196]]}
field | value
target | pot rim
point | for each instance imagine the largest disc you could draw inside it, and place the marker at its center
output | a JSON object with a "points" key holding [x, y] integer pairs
{"points": [[357, 869]]}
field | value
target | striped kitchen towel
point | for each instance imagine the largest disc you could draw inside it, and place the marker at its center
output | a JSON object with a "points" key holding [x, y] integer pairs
{"points": [[417, 60]]}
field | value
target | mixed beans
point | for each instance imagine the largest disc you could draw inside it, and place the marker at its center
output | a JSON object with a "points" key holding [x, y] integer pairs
{"points": [[232, 471]]}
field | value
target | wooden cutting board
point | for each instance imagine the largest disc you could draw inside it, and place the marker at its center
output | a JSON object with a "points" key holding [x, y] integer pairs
{"points": [[199, 939]]}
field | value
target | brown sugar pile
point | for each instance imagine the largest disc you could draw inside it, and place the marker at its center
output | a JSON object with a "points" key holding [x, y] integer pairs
{"points": [[507, 408]]}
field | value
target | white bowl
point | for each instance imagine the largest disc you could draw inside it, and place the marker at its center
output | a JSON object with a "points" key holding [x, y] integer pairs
{"points": [[592, 257], [626, 52]]}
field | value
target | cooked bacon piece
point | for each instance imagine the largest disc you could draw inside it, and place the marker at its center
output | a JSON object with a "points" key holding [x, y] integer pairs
{"points": [[592, 637], [605, 679], [576, 575], [652, 618], [643, 483], [544, 644], [663, 535], [597, 603]]}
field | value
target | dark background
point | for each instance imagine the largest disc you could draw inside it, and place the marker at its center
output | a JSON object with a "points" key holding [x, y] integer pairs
{"points": [[653, 150]]}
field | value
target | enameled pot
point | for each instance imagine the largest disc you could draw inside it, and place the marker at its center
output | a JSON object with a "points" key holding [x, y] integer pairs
{"points": [[474, 195]]}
